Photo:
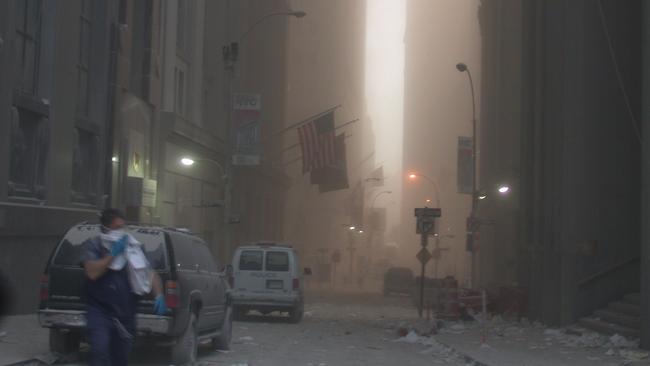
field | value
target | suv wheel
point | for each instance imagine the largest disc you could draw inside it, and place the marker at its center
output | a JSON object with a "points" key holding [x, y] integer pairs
{"points": [[222, 342], [185, 349], [64, 342], [295, 314]]}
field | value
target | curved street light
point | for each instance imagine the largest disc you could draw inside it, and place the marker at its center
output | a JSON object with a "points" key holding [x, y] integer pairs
{"points": [[462, 67], [413, 176], [189, 161], [374, 200], [293, 13]]}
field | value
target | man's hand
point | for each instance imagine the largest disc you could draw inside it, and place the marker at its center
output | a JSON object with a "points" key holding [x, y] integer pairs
{"points": [[96, 269], [119, 246], [159, 306]]}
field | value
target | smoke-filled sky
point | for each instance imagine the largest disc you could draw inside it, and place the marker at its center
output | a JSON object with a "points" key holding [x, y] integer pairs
{"points": [[385, 89]]}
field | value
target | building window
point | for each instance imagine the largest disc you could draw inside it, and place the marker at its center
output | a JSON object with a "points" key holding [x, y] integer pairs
{"points": [[122, 12], [83, 60], [180, 89], [85, 166], [28, 154], [28, 30], [141, 47], [181, 23]]}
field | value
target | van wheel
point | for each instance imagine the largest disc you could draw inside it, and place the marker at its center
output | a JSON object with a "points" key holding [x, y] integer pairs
{"points": [[222, 342], [185, 349], [295, 314], [64, 342]]}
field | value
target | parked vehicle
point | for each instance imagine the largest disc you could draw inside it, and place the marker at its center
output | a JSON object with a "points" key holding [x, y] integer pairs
{"points": [[398, 280], [197, 293], [267, 278]]}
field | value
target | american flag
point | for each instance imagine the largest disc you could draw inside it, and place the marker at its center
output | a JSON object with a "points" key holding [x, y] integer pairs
{"points": [[317, 143]]}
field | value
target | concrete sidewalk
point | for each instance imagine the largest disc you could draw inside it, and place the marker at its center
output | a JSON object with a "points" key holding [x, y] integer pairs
{"points": [[514, 345], [22, 338]]}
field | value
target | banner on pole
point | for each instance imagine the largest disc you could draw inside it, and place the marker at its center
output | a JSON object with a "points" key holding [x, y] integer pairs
{"points": [[246, 128]]}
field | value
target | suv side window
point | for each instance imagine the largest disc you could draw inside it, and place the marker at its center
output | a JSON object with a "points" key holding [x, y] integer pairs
{"points": [[183, 253], [277, 261], [251, 260], [204, 256]]}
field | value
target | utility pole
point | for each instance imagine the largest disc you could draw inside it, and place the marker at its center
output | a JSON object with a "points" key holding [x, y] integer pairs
{"points": [[472, 224], [230, 58], [426, 218]]}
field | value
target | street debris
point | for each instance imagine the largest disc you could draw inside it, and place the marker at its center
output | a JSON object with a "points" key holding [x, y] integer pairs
{"points": [[433, 347], [633, 355]]}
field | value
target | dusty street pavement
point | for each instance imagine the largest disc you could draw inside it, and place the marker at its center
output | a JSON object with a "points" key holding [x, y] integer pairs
{"points": [[354, 329], [337, 330]]}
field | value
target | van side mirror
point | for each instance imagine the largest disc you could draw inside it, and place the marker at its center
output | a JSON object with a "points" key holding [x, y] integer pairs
{"points": [[307, 271]]}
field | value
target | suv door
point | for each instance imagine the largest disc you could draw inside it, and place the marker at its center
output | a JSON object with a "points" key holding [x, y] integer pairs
{"points": [[214, 292]]}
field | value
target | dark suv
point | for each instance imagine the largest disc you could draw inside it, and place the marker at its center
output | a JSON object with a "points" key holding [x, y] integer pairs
{"points": [[197, 293]]}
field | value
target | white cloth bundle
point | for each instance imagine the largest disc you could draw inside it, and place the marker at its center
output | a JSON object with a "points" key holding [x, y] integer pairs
{"points": [[133, 257]]}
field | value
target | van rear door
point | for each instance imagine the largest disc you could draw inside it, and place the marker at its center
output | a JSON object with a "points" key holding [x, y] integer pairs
{"points": [[278, 266], [249, 271]]}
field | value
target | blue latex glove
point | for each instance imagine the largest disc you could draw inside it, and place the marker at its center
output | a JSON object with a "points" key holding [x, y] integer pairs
{"points": [[119, 246], [159, 306]]}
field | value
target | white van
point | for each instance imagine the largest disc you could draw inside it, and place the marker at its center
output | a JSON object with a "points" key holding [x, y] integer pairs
{"points": [[267, 278]]}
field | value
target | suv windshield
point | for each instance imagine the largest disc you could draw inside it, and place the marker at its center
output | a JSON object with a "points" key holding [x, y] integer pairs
{"points": [[71, 247]]}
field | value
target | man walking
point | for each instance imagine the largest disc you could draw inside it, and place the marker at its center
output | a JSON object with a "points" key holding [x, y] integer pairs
{"points": [[111, 306]]}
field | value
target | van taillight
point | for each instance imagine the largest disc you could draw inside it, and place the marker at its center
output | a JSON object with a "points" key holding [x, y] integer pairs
{"points": [[172, 294], [45, 288], [296, 284]]}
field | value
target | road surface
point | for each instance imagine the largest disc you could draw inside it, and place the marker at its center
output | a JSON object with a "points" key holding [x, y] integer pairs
{"points": [[338, 330]]}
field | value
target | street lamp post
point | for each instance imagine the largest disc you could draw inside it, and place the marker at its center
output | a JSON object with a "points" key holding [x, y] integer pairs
{"points": [[461, 67], [230, 58], [436, 236], [371, 233]]}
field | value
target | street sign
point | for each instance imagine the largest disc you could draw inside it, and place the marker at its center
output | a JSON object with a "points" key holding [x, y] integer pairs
{"points": [[424, 225], [428, 212], [423, 256]]}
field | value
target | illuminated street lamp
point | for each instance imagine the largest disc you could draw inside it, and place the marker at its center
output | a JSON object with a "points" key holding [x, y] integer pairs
{"points": [[482, 196], [504, 189], [187, 161]]}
